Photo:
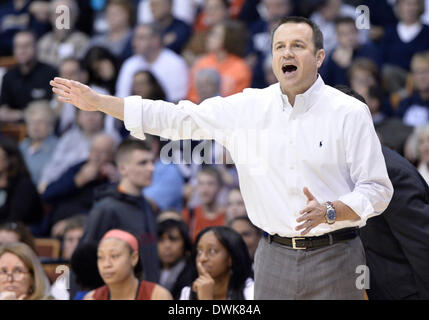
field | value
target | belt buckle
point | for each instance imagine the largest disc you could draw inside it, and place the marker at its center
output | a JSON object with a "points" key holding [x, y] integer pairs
{"points": [[294, 244]]}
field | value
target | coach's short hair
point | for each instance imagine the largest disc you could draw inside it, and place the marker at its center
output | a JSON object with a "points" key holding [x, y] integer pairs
{"points": [[317, 34]]}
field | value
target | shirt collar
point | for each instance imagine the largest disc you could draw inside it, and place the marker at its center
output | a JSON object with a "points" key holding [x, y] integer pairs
{"points": [[303, 101]]}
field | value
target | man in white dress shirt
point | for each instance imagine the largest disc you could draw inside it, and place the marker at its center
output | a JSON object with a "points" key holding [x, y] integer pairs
{"points": [[309, 161], [150, 54]]}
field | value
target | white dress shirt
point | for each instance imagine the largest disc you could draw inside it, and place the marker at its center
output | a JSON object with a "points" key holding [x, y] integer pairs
{"points": [[326, 142], [169, 69]]}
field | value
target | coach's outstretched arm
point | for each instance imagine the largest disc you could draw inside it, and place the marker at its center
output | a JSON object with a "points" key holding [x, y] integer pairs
{"points": [[85, 98], [214, 118]]}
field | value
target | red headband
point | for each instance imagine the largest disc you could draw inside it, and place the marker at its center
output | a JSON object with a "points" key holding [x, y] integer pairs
{"points": [[122, 235]]}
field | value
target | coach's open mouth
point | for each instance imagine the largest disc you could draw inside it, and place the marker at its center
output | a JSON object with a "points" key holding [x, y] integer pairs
{"points": [[289, 68]]}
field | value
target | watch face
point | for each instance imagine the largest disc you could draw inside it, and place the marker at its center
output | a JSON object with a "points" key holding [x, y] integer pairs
{"points": [[331, 214]]}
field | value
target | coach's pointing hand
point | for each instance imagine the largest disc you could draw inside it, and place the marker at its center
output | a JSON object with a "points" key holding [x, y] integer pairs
{"points": [[75, 93], [312, 215]]}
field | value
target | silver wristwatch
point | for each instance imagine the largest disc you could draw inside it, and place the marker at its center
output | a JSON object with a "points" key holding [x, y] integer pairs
{"points": [[331, 214]]}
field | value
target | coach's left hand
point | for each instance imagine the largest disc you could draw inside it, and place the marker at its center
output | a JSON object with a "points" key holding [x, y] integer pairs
{"points": [[312, 215]]}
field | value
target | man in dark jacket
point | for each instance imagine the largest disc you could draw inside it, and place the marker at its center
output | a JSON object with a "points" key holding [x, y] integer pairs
{"points": [[397, 242], [123, 207], [26, 82], [73, 192]]}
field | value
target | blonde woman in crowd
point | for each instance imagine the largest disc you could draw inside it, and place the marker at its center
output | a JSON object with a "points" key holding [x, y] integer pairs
{"points": [[21, 274]]}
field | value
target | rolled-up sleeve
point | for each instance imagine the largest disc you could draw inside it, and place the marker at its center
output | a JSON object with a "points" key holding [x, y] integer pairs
{"points": [[367, 167], [211, 119], [133, 116]]}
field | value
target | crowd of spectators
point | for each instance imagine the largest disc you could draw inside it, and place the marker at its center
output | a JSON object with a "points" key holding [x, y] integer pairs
{"points": [[76, 175]]}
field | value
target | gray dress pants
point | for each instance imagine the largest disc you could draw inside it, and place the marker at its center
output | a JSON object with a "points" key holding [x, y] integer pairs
{"points": [[325, 273]]}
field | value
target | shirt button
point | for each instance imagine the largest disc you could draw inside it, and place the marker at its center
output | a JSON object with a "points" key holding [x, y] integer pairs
{"points": [[290, 142], [291, 167]]}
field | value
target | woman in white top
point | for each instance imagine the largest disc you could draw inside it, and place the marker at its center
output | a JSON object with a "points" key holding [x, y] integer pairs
{"points": [[222, 267]]}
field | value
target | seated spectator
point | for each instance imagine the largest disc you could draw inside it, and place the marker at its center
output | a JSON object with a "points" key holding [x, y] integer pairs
{"points": [[334, 69], [73, 231], [21, 274], [212, 13], [74, 69], [223, 164], [324, 16], [175, 32], [221, 267], [226, 44], [260, 37], [12, 232], [207, 83], [120, 19], [83, 264], [73, 147], [72, 193], [382, 15], [184, 10], [165, 192], [123, 206], [363, 74], [65, 42], [414, 110], [102, 67], [250, 233], [26, 82], [42, 10], [150, 54], [15, 16], [401, 41], [40, 145], [16, 185], [209, 213], [71, 234], [235, 206], [147, 86], [119, 265], [70, 68], [174, 249]]}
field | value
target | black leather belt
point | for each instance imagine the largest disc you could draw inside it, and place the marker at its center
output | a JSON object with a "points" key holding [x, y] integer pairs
{"points": [[304, 243]]}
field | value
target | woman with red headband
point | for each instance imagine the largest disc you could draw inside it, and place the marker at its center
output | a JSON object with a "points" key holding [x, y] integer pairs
{"points": [[119, 266]]}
